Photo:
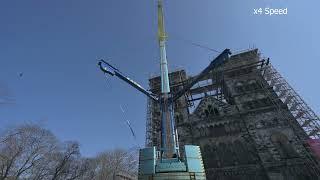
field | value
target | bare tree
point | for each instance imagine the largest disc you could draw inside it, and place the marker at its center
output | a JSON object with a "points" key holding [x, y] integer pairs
{"points": [[110, 163], [64, 163], [22, 148], [31, 152]]}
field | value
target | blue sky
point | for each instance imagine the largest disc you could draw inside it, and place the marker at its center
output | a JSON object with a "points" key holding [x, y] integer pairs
{"points": [[56, 44]]}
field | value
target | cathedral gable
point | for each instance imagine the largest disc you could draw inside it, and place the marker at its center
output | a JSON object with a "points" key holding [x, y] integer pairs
{"points": [[210, 106]]}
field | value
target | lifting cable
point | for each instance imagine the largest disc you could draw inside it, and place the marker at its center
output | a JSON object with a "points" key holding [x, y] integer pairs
{"points": [[195, 44]]}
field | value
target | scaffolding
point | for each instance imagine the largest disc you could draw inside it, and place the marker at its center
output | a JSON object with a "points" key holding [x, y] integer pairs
{"points": [[178, 80], [302, 113]]}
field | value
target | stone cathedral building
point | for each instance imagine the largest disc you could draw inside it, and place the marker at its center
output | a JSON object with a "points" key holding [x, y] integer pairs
{"points": [[248, 121]]}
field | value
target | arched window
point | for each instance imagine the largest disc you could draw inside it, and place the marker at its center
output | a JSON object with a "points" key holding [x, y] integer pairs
{"points": [[216, 112], [239, 83], [283, 145], [220, 130], [221, 151], [206, 150], [239, 87], [211, 111], [251, 84], [178, 118], [206, 112], [211, 131]]}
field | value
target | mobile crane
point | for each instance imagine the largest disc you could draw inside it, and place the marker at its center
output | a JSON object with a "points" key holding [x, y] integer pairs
{"points": [[165, 162]]}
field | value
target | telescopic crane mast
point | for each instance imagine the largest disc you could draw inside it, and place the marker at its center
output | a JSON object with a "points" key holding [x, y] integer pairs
{"points": [[169, 146]]}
